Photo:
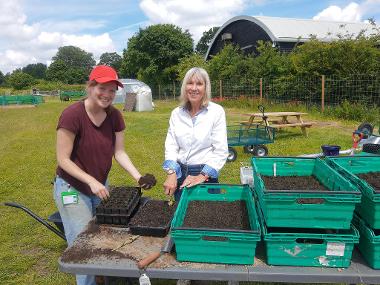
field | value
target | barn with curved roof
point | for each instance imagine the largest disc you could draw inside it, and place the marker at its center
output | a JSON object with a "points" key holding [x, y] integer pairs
{"points": [[284, 33]]}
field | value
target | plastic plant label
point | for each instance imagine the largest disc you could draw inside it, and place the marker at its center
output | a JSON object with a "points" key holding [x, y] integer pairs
{"points": [[335, 248], [69, 198], [144, 279]]}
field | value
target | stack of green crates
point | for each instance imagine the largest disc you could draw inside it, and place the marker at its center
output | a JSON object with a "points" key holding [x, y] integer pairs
{"points": [[306, 227], [368, 210], [216, 245], [20, 100]]}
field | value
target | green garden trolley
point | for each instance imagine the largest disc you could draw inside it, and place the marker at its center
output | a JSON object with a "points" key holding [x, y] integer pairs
{"points": [[253, 138]]}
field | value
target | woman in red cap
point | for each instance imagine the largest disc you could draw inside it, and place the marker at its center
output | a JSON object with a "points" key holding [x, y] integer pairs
{"points": [[89, 134]]}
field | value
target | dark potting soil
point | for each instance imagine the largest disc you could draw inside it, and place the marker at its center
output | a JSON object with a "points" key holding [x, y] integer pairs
{"points": [[217, 215], [120, 197], [293, 183], [372, 178], [155, 213]]}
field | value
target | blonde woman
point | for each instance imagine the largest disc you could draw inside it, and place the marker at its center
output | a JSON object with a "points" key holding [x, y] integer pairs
{"points": [[196, 146]]}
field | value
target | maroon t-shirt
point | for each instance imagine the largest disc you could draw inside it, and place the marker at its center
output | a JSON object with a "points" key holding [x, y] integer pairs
{"points": [[93, 146]]}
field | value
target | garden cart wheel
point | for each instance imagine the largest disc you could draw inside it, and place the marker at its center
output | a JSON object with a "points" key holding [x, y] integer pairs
{"points": [[249, 148], [260, 150], [232, 154], [366, 129]]}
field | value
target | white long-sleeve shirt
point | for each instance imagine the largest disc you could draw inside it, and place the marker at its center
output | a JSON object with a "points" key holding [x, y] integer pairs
{"points": [[198, 140]]}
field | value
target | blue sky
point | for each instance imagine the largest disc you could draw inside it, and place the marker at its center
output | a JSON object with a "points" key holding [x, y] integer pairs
{"points": [[32, 30]]}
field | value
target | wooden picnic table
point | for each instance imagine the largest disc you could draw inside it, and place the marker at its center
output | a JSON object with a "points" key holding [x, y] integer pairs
{"points": [[278, 120]]}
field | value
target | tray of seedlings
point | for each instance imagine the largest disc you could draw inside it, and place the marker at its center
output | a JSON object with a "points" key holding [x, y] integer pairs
{"points": [[303, 192], [364, 172], [153, 218], [216, 223], [119, 207]]}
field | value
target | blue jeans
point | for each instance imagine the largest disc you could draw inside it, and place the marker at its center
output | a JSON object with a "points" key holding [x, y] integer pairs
{"points": [[75, 217], [192, 170]]}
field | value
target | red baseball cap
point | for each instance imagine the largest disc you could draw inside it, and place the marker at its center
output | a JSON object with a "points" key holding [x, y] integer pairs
{"points": [[104, 74]]}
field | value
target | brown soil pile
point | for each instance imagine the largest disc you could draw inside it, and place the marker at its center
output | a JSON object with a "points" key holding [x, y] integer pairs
{"points": [[217, 215], [372, 178], [155, 213], [293, 183]]}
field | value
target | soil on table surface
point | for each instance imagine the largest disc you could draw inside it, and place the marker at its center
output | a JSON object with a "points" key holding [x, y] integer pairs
{"points": [[120, 197], [107, 245], [88, 250], [372, 178], [155, 213], [217, 215], [293, 183]]}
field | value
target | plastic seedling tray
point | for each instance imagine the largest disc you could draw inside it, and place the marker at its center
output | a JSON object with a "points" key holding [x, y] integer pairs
{"points": [[152, 219], [117, 210]]}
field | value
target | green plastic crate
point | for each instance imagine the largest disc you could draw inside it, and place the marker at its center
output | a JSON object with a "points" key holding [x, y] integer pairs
{"points": [[309, 247], [369, 208], [369, 244], [214, 245], [331, 209], [71, 95], [20, 100]]}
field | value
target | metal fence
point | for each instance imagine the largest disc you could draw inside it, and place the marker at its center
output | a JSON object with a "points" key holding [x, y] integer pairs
{"points": [[311, 91]]}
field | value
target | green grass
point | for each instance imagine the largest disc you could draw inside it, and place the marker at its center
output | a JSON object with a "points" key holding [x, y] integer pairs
{"points": [[29, 251]]}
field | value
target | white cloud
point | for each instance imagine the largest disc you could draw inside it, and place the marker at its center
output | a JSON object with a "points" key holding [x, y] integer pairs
{"points": [[22, 43], [196, 16], [353, 12]]}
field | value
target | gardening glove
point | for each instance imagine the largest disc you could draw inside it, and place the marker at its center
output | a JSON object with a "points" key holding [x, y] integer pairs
{"points": [[147, 181]]}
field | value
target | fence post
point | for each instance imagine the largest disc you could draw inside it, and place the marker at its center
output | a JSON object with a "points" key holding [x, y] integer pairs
{"points": [[261, 90], [323, 94], [220, 90], [159, 92]]}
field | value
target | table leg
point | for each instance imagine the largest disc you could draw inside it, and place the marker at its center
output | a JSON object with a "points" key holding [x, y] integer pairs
{"points": [[299, 120]]}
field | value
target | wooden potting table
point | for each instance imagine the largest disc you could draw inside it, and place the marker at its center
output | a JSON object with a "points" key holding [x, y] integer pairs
{"points": [[112, 256]]}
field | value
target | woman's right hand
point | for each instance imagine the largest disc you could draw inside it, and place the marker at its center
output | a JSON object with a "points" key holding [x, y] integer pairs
{"points": [[170, 184], [99, 189]]}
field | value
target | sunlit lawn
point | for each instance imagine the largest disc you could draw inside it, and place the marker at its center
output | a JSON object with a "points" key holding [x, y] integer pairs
{"points": [[29, 251]]}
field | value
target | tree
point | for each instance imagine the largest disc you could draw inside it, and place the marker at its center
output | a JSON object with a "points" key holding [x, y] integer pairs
{"points": [[20, 80], [193, 60], [37, 70], [75, 62], [153, 51], [205, 40], [340, 58], [2, 78], [228, 64], [111, 59]]}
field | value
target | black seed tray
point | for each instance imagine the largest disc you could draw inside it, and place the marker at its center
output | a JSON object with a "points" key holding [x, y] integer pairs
{"points": [[119, 207], [152, 219]]}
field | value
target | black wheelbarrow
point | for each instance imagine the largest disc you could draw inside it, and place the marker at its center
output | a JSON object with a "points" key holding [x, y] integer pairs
{"points": [[53, 218]]}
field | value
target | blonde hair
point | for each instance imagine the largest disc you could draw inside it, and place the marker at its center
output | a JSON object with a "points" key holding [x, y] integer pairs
{"points": [[199, 74]]}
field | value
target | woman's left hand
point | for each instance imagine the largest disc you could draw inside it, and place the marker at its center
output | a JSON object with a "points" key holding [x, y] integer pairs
{"points": [[191, 181]]}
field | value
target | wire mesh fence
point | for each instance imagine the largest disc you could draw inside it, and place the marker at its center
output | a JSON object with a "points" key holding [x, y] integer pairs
{"points": [[310, 91]]}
